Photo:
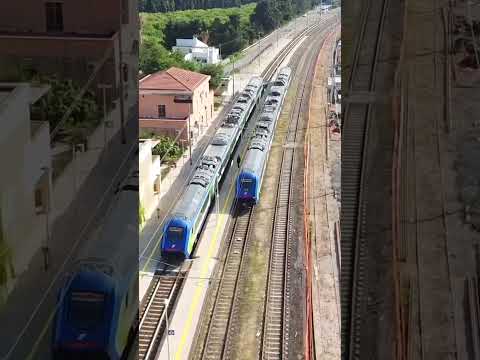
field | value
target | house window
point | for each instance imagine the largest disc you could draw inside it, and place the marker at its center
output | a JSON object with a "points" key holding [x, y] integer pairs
{"points": [[162, 111], [54, 14]]}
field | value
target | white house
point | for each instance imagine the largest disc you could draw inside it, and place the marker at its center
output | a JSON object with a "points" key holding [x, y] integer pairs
{"points": [[25, 184], [194, 49]]}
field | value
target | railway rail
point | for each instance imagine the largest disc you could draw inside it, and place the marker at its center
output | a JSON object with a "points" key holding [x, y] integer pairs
{"points": [[275, 340], [217, 332], [223, 321], [356, 129], [160, 297]]}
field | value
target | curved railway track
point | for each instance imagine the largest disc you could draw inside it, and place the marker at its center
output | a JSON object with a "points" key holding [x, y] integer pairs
{"points": [[355, 138]]}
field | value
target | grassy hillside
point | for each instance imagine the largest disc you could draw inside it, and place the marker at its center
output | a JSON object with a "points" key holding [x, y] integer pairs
{"points": [[153, 24]]}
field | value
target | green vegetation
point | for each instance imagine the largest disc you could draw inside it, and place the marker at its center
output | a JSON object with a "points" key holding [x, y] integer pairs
{"points": [[175, 5], [230, 29], [85, 114], [168, 149]]}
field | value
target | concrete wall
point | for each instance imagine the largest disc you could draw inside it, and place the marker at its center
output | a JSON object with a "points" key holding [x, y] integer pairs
{"points": [[86, 16], [22, 157], [149, 171]]}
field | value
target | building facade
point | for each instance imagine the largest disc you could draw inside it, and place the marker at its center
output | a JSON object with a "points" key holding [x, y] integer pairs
{"points": [[196, 50], [62, 38], [175, 102], [25, 197], [150, 177]]}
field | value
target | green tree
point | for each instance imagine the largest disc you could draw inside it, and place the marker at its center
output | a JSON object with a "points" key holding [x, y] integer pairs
{"points": [[85, 112], [167, 149], [154, 57], [216, 72], [150, 6], [266, 16]]}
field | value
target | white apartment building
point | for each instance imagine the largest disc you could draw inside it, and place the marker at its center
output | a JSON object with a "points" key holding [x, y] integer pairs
{"points": [[25, 183], [149, 176], [194, 49]]}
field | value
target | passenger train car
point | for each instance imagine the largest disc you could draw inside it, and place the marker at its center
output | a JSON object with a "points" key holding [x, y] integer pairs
{"points": [[249, 181], [98, 305], [186, 220]]}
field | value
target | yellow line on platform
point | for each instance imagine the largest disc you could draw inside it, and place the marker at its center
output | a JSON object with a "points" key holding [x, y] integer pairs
{"points": [[203, 274], [204, 269]]}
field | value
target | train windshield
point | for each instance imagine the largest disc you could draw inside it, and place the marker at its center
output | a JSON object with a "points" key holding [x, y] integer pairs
{"points": [[76, 354], [247, 186], [86, 310], [175, 233]]}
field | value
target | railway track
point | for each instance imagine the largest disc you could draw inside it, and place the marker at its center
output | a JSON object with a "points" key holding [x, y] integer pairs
{"points": [[275, 339], [222, 325], [161, 294], [275, 64], [217, 332], [356, 128]]}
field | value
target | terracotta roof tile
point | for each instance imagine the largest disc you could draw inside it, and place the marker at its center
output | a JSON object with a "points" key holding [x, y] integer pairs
{"points": [[173, 79]]}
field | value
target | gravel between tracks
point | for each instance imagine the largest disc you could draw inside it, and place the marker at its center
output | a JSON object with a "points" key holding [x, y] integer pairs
{"points": [[253, 290]]}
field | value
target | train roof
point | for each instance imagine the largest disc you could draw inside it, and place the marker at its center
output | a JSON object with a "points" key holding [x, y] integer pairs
{"points": [[253, 161], [259, 144], [192, 199], [190, 202], [116, 243]]}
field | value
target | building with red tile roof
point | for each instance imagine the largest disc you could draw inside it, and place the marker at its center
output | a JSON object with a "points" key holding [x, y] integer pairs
{"points": [[175, 102], [173, 79]]}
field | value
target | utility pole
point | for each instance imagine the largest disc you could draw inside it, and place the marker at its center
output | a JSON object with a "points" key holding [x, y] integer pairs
{"points": [[122, 86], [189, 130], [187, 99], [259, 54], [45, 247], [233, 79], [104, 87]]}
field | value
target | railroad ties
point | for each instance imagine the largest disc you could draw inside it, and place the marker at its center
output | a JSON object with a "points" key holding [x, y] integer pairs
{"points": [[275, 341], [275, 320], [163, 290], [355, 139], [222, 312]]}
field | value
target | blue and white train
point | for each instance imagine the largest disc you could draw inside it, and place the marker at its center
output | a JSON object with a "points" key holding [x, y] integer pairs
{"points": [[98, 304], [183, 226], [249, 181]]}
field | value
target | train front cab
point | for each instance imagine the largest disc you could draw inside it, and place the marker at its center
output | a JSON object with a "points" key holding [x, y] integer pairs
{"points": [[83, 324], [176, 238], [248, 187]]}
